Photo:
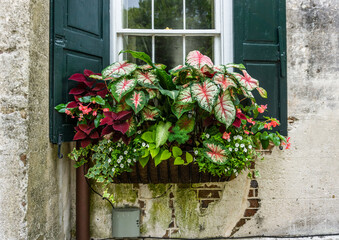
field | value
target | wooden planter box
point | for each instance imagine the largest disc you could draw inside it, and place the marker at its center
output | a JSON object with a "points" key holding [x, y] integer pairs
{"points": [[167, 172]]}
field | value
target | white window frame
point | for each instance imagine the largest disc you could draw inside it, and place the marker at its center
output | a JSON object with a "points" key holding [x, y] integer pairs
{"points": [[223, 32]]}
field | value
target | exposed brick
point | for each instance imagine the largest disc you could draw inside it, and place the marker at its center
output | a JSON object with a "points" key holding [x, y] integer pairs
{"points": [[205, 203], [166, 234], [241, 222], [171, 195], [170, 204], [250, 212], [171, 225], [208, 194], [250, 193], [254, 203], [254, 184], [174, 231], [141, 204], [256, 193]]}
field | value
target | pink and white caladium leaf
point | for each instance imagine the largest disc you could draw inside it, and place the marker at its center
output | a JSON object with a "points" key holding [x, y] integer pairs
{"points": [[179, 109], [178, 68], [220, 69], [224, 110], [150, 113], [122, 87], [118, 69], [205, 94], [186, 123], [152, 93], [146, 78], [262, 92], [198, 60], [184, 96], [248, 82], [246, 93], [223, 81], [137, 100], [216, 152], [132, 126]]}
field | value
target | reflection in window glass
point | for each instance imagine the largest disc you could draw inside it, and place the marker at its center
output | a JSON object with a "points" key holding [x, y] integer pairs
{"points": [[203, 44], [137, 14], [168, 14], [168, 51], [137, 43], [200, 14]]}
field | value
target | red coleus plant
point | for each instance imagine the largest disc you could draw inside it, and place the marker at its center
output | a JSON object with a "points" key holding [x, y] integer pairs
{"points": [[86, 134]]}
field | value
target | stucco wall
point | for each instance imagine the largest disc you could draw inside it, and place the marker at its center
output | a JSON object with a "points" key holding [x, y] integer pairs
{"points": [[298, 188]]}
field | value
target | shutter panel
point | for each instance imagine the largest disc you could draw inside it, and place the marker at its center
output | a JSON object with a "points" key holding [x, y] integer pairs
{"points": [[79, 40], [260, 43]]}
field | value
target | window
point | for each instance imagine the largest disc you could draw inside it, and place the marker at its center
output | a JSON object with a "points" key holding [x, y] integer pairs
{"points": [[168, 29]]}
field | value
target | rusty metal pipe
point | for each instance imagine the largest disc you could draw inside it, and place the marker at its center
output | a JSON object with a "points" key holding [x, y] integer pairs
{"points": [[82, 205]]}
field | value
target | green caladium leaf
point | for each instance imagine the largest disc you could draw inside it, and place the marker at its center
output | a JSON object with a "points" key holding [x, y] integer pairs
{"points": [[262, 92], [224, 110], [184, 96], [150, 113], [205, 94], [179, 109], [186, 124], [122, 87], [223, 81], [118, 69], [234, 65], [136, 100], [146, 78], [176, 151], [162, 133], [216, 152]]}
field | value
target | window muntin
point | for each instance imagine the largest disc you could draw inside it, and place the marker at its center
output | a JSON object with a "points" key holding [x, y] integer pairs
{"points": [[166, 32]]}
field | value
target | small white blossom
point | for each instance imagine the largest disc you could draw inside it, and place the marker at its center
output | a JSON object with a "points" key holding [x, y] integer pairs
{"points": [[134, 160], [237, 145], [207, 135], [234, 170], [134, 150], [194, 159], [121, 157], [129, 160], [119, 160], [109, 141], [147, 145], [119, 145], [250, 146], [189, 115], [139, 132], [143, 144], [242, 145], [121, 165], [228, 140], [245, 149], [125, 152], [236, 149], [230, 149], [113, 169], [109, 160], [196, 152], [240, 137], [110, 149]]}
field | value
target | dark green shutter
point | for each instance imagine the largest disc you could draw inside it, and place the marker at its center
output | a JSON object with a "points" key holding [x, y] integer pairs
{"points": [[260, 43], [79, 40]]}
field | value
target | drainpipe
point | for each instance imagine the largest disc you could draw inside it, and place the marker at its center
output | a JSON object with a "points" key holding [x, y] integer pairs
{"points": [[82, 204]]}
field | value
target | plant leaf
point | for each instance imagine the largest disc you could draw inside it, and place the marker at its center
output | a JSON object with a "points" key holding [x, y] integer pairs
{"points": [[148, 137], [179, 161], [215, 152], [180, 109], [132, 126], [248, 82], [154, 152], [176, 151], [205, 94], [143, 161], [186, 124], [171, 93], [198, 60], [262, 92], [140, 55], [224, 110], [146, 78], [184, 96], [61, 108], [189, 158], [99, 100], [122, 87], [223, 81], [150, 113], [118, 69], [136, 100], [162, 133], [234, 65]]}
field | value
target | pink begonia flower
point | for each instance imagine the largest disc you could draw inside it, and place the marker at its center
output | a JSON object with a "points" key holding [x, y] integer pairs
{"points": [[262, 108], [226, 135]]}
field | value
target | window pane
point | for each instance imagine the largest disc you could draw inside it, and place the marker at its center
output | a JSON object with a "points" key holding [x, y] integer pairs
{"points": [[168, 14], [137, 43], [168, 51], [204, 44], [137, 14], [200, 14]]}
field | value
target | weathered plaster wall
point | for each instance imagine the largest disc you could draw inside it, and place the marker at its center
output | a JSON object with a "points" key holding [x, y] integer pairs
{"points": [[35, 185], [298, 188]]}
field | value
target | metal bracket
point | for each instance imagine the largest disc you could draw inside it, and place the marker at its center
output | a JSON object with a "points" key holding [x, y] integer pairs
{"points": [[60, 155]]}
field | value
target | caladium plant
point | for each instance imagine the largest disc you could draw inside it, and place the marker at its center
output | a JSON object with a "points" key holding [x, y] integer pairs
{"points": [[130, 114]]}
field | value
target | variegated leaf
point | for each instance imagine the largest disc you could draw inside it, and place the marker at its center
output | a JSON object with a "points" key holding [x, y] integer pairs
{"points": [[198, 60], [184, 96], [216, 152], [137, 100], [122, 87], [246, 93], [248, 82], [205, 94], [224, 110], [220, 69], [150, 113], [234, 65], [186, 123], [180, 109], [94, 76], [152, 93], [262, 92], [178, 69], [146, 78], [132, 126], [223, 81], [118, 69]]}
